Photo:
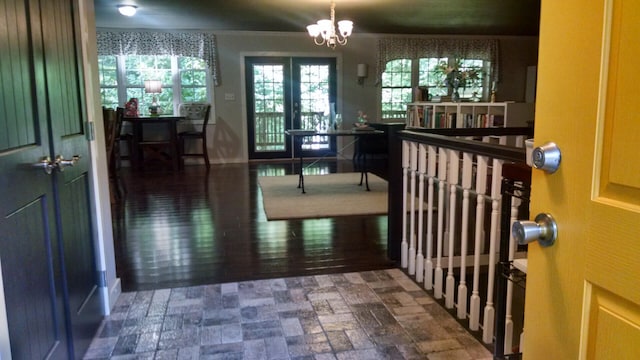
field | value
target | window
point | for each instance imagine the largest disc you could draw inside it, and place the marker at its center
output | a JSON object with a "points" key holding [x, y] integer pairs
{"points": [[184, 79], [432, 74], [108, 72], [401, 76], [396, 88]]}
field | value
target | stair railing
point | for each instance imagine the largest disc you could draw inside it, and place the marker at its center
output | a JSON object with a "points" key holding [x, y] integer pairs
{"points": [[451, 217]]}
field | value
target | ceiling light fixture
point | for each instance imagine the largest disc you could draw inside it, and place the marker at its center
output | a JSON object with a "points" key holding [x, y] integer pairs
{"points": [[127, 10], [324, 31]]}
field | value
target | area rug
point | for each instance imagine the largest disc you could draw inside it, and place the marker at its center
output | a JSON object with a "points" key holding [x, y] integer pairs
{"points": [[327, 195]]}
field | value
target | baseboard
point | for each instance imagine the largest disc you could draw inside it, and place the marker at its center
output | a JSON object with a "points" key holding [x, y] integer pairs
{"points": [[114, 293]]}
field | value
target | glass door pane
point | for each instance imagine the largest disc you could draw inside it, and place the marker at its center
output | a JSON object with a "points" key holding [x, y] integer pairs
{"points": [[268, 101], [314, 89], [289, 93]]}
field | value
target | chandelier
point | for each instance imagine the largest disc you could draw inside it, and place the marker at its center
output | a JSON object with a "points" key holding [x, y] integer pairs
{"points": [[324, 31]]}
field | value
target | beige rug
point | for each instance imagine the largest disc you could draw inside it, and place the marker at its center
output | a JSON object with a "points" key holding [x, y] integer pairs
{"points": [[326, 196]]}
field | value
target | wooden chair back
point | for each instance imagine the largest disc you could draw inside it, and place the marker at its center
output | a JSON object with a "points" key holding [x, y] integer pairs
{"points": [[196, 111]]}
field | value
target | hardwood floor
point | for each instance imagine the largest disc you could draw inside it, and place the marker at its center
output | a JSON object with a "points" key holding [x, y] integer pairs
{"points": [[196, 227]]}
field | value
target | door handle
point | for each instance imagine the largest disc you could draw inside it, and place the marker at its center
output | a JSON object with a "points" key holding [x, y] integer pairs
{"points": [[546, 157], [61, 163], [46, 164], [544, 229]]}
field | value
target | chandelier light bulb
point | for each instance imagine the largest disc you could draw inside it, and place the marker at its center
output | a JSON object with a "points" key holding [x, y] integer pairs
{"points": [[324, 31], [127, 10]]}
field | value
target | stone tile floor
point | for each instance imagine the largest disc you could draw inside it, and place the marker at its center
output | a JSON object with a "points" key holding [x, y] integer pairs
{"points": [[360, 316]]}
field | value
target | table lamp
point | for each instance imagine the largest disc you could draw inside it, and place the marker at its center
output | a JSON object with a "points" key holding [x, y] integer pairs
{"points": [[153, 87]]}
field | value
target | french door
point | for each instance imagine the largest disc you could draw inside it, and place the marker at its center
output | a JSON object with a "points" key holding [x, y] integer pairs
{"points": [[289, 93]]}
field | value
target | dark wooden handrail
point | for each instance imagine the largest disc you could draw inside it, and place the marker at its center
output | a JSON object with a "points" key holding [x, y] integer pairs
{"points": [[450, 138]]}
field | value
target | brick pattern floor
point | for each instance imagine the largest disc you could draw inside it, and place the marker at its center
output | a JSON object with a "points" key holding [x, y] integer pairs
{"points": [[360, 316]]}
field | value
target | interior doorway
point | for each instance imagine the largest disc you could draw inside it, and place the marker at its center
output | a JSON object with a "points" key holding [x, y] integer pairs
{"points": [[289, 93]]}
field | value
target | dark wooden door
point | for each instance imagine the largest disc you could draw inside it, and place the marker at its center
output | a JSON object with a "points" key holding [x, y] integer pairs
{"points": [[47, 250]]}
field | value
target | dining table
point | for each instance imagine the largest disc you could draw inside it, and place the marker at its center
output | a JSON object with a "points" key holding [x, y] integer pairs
{"points": [[169, 126], [358, 134]]}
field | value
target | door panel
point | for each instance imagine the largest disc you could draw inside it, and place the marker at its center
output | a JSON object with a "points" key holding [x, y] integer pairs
{"points": [[64, 89], [85, 308], [34, 301], [31, 266], [582, 295], [46, 225], [314, 93], [268, 107], [288, 93]]}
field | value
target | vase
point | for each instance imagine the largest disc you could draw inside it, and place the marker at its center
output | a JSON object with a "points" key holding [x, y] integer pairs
{"points": [[455, 97]]}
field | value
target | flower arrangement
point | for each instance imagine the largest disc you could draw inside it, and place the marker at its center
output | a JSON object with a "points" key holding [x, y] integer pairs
{"points": [[362, 119], [455, 79]]}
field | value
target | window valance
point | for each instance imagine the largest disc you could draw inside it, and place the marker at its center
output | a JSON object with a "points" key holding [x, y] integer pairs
{"points": [[415, 48], [200, 45]]}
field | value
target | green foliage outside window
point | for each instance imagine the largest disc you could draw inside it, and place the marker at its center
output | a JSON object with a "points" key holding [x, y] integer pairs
{"points": [[314, 86], [432, 74], [108, 74], [396, 88], [193, 79], [436, 74], [268, 88], [134, 70]]}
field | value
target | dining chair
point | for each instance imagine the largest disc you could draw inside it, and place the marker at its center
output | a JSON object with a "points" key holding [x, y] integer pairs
{"points": [[194, 111], [113, 125]]}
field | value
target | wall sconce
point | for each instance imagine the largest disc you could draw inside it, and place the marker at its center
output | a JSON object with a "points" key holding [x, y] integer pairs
{"points": [[363, 70]]}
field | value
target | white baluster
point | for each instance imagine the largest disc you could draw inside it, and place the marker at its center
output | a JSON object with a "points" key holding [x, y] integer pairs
{"points": [[519, 141], [454, 170], [405, 170], [442, 177], [502, 140], [489, 310], [481, 185], [467, 167], [412, 193], [422, 168], [508, 328], [431, 171]]}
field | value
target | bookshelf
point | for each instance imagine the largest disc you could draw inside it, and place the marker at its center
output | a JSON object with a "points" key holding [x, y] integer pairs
{"points": [[468, 114]]}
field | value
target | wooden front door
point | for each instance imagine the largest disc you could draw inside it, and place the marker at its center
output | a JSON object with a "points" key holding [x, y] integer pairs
{"points": [[583, 300], [47, 250]]}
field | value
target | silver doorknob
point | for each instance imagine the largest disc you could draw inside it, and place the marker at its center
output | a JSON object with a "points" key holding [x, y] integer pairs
{"points": [[546, 157], [61, 163], [46, 164], [544, 229]]}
